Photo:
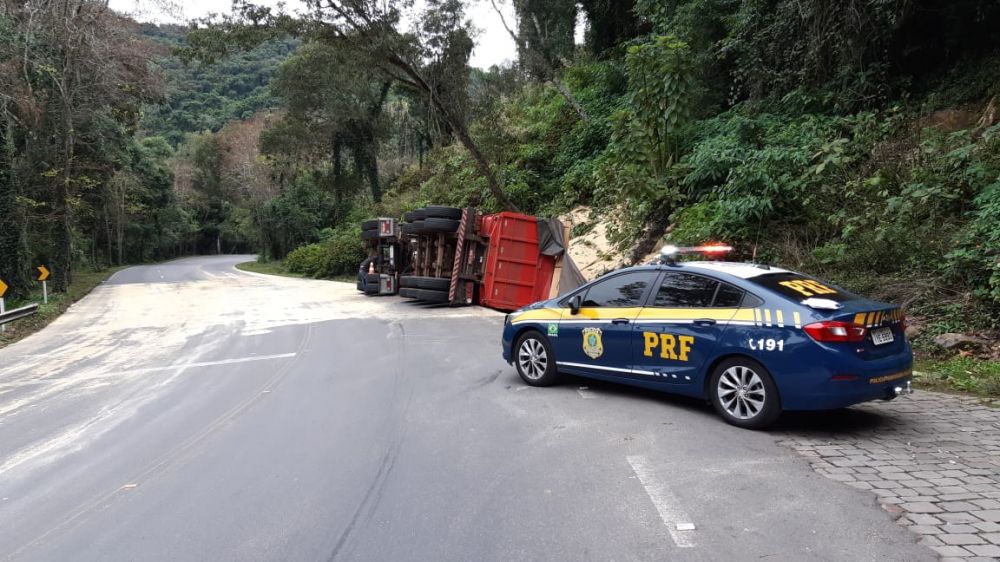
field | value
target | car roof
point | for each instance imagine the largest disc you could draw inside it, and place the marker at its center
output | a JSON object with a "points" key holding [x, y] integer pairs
{"points": [[736, 269]]}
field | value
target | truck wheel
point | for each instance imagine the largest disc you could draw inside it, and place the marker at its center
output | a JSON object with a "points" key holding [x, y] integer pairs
{"points": [[439, 212], [369, 225], [440, 225], [428, 295], [432, 283], [744, 393], [414, 216], [534, 360], [369, 234]]}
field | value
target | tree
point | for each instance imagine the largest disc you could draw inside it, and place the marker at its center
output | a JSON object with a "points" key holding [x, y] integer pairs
{"points": [[431, 59], [544, 50], [71, 95]]}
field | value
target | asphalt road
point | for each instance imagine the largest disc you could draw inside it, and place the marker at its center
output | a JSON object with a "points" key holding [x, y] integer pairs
{"points": [[189, 411]]}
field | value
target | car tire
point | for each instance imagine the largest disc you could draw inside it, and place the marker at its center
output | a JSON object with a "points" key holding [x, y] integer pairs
{"points": [[431, 283], [735, 388], [440, 225], [439, 212], [428, 295], [369, 225], [534, 360]]}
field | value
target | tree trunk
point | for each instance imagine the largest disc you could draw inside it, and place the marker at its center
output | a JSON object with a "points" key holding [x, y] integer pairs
{"points": [[11, 262], [372, 159], [338, 166], [570, 99], [458, 126], [63, 231], [484, 167]]}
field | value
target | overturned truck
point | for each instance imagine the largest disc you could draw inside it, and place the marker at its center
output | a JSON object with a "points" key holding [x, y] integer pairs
{"points": [[453, 256]]}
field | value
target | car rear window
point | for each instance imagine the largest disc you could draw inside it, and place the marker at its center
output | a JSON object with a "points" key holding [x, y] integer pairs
{"points": [[799, 287]]}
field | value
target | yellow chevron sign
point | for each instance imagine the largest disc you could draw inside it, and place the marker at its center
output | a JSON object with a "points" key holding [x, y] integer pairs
{"points": [[3, 287], [43, 273]]}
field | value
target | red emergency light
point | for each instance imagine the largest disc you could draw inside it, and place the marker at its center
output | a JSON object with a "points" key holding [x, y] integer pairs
{"points": [[669, 253]]}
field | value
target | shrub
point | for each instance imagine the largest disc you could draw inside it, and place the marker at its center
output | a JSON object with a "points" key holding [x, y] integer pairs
{"points": [[344, 252], [307, 260]]}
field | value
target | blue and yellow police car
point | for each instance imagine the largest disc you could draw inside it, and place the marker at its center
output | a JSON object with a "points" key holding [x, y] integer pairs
{"points": [[752, 339]]}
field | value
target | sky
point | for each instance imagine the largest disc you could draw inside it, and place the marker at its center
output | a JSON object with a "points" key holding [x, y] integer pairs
{"points": [[493, 45]]}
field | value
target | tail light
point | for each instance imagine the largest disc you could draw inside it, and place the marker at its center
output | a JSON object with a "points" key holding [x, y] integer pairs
{"points": [[834, 331]]}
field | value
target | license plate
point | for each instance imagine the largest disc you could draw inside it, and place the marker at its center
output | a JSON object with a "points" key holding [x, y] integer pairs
{"points": [[882, 336]]}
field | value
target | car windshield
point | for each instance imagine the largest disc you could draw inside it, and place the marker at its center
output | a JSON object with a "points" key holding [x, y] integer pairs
{"points": [[799, 287]]}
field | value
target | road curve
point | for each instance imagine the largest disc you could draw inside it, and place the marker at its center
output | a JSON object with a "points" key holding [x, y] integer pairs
{"points": [[190, 411]]}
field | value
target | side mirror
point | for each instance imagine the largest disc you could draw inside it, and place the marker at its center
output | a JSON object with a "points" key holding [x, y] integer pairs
{"points": [[575, 303]]}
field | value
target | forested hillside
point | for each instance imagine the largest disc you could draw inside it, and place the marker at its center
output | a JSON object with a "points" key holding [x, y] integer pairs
{"points": [[856, 140], [200, 98]]}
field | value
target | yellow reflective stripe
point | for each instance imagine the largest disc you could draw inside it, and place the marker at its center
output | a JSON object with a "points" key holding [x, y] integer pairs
{"points": [[609, 313], [538, 315], [798, 319], [859, 318], [767, 316], [780, 318], [650, 313], [756, 316]]}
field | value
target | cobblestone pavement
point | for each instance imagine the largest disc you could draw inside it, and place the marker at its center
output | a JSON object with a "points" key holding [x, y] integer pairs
{"points": [[932, 459]]}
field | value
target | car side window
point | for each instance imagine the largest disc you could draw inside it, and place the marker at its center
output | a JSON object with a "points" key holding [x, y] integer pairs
{"points": [[684, 290], [623, 290], [728, 296]]}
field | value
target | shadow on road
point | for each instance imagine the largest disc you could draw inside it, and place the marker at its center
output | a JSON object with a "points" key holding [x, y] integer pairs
{"points": [[847, 420]]}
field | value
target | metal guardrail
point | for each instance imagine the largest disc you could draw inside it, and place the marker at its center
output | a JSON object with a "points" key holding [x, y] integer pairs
{"points": [[18, 313]]}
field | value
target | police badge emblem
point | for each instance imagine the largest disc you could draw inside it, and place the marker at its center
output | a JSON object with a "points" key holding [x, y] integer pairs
{"points": [[592, 344]]}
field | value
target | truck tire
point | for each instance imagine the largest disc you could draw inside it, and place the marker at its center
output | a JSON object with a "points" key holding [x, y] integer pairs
{"points": [[370, 225], [405, 292], [414, 216], [431, 283], [439, 212], [428, 295], [417, 227], [369, 234], [440, 225]]}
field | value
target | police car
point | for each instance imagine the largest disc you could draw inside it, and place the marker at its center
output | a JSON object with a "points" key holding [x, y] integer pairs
{"points": [[752, 339]]}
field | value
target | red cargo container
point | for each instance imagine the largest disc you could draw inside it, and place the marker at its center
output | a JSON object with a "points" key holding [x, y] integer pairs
{"points": [[516, 273]]}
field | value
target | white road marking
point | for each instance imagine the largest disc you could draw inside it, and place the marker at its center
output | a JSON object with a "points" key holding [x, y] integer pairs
{"points": [[255, 332], [584, 392], [98, 376], [665, 501], [208, 363]]}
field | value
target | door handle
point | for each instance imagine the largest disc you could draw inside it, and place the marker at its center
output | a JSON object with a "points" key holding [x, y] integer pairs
{"points": [[704, 322], [620, 321]]}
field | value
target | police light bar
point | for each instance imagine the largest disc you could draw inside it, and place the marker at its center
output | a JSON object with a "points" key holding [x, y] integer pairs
{"points": [[671, 250], [669, 253]]}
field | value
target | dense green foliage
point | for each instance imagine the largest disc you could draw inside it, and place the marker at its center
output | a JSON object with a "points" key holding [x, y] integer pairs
{"points": [[205, 97]]}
